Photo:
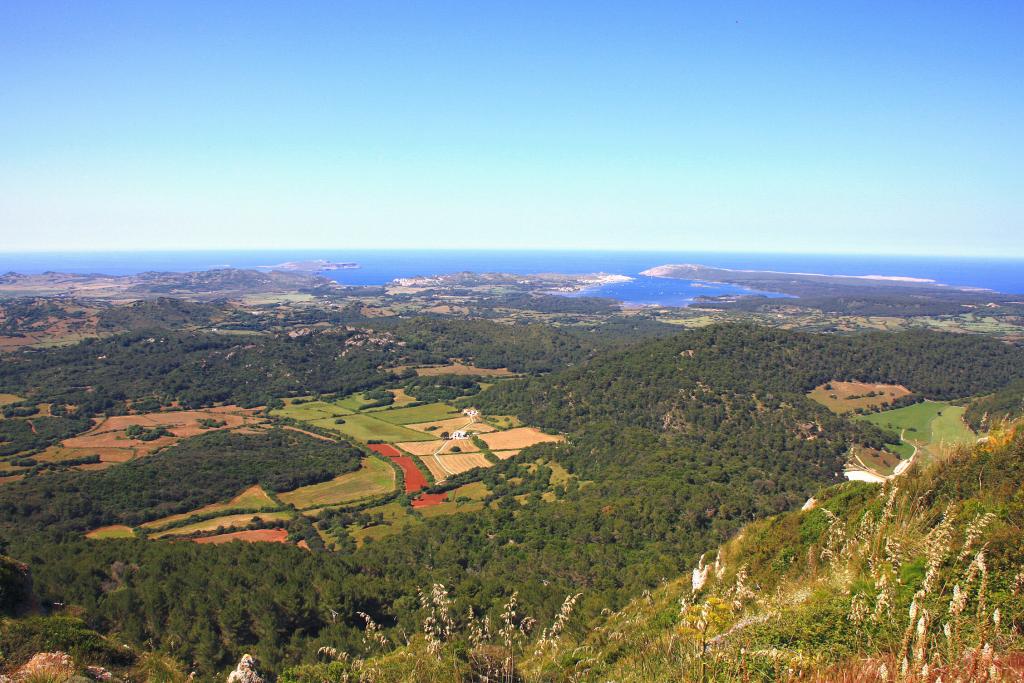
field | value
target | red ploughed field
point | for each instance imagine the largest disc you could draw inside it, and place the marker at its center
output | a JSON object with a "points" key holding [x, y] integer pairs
{"points": [[414, 479], [428, 499]]}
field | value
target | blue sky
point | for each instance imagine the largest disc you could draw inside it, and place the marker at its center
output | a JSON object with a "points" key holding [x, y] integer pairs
{"points": [[891, 127]]}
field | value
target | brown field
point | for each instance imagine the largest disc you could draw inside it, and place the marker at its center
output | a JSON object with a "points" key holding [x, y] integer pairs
{"points": [[461, 369], [227, 521], [845, 397], [401, 398], [451, 424], [253, 536], [56, 454], [253, 498], [520, 437], [107, 438], [9, 398], [449, 464], [505, 455], [420, 447]]}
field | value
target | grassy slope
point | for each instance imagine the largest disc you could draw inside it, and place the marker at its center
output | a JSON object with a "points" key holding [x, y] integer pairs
{"points": [[374, 478], [424, 413], [930, 426], [252, 499], [822, 594]]}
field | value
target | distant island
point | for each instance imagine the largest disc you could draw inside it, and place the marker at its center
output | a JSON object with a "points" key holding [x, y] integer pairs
{"points": [[312, 266], [858, 295], [791, 283]]}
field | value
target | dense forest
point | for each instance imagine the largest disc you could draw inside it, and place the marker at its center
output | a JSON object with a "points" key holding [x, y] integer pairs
{"points": [[673, 444], [201, 368], [653, 383]]}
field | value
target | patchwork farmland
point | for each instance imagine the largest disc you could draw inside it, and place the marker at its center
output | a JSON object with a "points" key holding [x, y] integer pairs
{"points": [[401, 436], [414, 479], [111, 438]]}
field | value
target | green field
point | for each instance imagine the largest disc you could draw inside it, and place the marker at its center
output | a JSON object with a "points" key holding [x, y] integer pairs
{"points": [[929, 425], [424, 413], [308, 412], [503, 421], [396, 519], [114, 531], [353, 403], [364, 428], [376, 477], [383, 425], [476, 491]]}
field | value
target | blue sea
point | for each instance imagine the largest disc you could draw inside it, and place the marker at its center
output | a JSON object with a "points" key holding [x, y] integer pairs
{"points": [[377, 267]]}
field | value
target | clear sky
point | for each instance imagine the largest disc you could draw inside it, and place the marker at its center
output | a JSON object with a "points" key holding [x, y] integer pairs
{"points": [[856, 126]]}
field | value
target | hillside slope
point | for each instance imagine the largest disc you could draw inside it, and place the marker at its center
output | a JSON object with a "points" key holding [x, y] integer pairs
{"points": [[920, 580]]}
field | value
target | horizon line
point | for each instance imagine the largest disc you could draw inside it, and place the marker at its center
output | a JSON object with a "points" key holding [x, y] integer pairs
{"points": [[610, 250]]}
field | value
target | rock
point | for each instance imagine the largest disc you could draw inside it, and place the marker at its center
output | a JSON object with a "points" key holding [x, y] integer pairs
{"points": [[700, 575], [246, 671], [50, 665], [98, 673]]}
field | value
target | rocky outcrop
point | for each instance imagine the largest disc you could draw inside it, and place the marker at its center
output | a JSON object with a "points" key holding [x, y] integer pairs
{"points": [[54, 666], [246, 671]]}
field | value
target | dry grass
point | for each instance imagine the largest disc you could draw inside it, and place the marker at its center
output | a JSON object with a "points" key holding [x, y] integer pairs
{"points": [[450, 464], [250, 536], [451, 424], [520, 437], [845, 397], [420, 447], [462, 369]]}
